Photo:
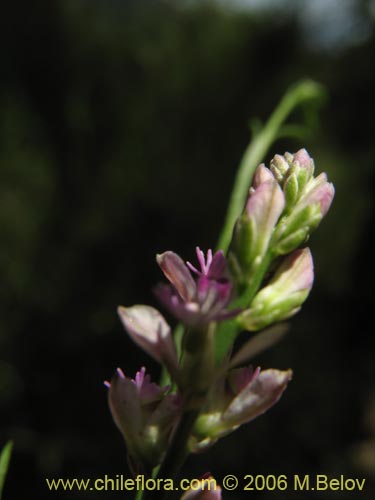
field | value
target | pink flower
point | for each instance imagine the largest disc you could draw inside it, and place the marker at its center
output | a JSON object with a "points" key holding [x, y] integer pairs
{"points": [[196, 301], [144, 414]]}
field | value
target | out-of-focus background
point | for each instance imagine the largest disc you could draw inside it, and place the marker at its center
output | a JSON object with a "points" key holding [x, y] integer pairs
{"points": [[121, 126]]}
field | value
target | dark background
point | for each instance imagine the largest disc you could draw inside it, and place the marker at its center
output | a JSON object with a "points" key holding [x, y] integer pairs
{"points": [[121, 126]]}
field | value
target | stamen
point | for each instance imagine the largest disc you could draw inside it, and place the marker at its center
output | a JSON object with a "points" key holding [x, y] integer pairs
{"points": [[120, 373], [209, 259], [204, 262], [201, 259], [139, 376], [107, 384], [192, 268]]}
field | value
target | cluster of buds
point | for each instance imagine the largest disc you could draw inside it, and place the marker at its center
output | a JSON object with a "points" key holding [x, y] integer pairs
{"points": [[265, 279], [286, 203]]}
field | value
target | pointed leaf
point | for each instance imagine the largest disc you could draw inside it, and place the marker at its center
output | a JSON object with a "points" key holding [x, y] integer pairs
{"points": [[4, 463]]}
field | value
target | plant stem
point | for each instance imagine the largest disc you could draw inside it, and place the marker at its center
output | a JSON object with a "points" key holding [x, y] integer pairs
{"points": [[227, 331], [303, 91], [139, 495], [246, 298], [176, 454]]}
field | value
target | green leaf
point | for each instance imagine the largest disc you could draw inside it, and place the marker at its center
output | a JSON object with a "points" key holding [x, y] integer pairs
{"points": [[4, 462]]}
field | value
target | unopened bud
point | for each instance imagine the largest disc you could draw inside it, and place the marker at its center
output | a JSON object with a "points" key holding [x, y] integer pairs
{"points": [[285, 293], [255, 227]]}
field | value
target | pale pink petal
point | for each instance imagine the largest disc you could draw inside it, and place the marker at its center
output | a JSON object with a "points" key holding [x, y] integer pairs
{"points": [[262, 174], [265, 206], [257, 397], [296, 272], [319, 191], [125, 406], [304, 159], [148, 329]]}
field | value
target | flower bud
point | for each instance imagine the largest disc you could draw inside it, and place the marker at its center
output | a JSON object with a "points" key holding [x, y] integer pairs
{"points": [[144, 414], [293, 230], [319, 190], [307, 198], [196, 302], [262, 174], [300, 163], [285, 293], [279, 167], [255, 227], [239, 398]]}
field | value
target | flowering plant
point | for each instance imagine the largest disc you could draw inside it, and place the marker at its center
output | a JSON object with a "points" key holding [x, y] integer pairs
{"points": [[259, 276]]}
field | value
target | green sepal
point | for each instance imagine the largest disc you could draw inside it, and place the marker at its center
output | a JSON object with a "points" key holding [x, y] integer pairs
{"points": [[291, 191], [303, 176], [294, 229], [262, 315], [241, 252], [293, 241], [226, 333]]}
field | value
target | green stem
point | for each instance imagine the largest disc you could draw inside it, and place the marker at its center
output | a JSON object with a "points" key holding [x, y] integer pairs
{"points": [[176, 454], [227, 331], [257, 149], [246, 298], [139, 495]]}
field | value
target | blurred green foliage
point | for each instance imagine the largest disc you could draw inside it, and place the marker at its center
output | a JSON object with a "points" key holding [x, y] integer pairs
{"points": [[121, 125]]}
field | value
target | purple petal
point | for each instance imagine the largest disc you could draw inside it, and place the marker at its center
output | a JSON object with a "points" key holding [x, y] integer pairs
{"points": [[257, 397], [178, 274], [218, 266], [148, 392], [239, 378], [187, 312], [213, 296], [125, 406], [167, 412]]}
